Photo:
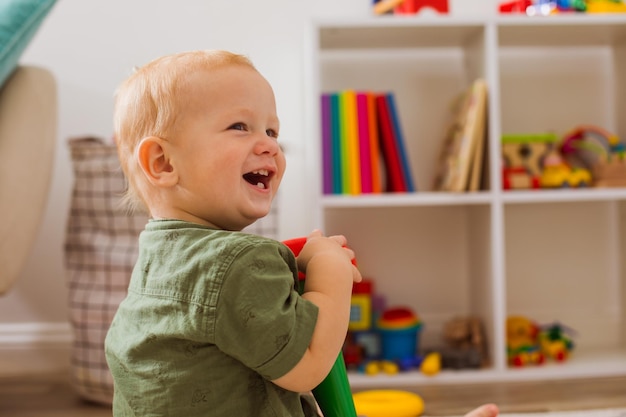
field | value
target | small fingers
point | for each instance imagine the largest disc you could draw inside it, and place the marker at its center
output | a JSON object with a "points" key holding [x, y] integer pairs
{"points": [[341, 239], [315, 233], [486, 410]]}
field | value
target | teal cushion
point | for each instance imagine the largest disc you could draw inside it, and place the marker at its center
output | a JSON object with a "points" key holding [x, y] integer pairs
{"points": [[19, 21]]}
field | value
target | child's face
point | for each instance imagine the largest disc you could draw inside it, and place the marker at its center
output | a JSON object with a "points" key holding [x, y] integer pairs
{"points": [[226, 152]]}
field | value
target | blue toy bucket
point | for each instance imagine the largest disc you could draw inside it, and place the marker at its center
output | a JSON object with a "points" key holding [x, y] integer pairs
{"points": [[400, 343]]}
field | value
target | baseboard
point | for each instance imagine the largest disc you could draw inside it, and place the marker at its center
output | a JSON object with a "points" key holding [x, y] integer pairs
{"points": [[33, 335], [34, 348]]}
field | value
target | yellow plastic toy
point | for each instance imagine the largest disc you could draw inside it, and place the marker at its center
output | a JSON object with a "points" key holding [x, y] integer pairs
{"points": [[557, 174], [388, 403], [431, 365], [605, 6]]}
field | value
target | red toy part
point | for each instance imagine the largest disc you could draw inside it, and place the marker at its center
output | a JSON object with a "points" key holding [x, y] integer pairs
{"points": [[296, 245], [516, 6], [414, 6]]}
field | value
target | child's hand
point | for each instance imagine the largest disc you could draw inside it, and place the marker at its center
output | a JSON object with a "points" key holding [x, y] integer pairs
{"points": [[487, 410], [330, 273], [333, 246]]}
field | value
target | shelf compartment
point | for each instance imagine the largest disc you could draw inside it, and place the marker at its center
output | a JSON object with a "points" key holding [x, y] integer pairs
{"points": [[424, 79], [408, 253], [564, 264]]}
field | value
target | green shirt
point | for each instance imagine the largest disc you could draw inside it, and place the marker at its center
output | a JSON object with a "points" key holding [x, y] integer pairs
{"points": [[211, 317]]}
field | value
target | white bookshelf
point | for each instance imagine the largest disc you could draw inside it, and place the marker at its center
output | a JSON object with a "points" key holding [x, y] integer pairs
{"points": [[548, 255]]}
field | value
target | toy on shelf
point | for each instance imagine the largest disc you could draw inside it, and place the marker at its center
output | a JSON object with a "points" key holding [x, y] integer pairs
{"points": [[522, 159], [605, 6], [557, 174], [530, 343], [399, 329], [599, 151], [409, 6], [521, 342], [549, 7], [515, 6], [390, 345], [571, 5], [466, 347], [555, 342], [586, 156], [363, 341], [361, 306], [431, 364]]}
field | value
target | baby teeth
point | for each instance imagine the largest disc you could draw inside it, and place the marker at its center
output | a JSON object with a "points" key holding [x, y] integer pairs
{"points": [[260, 185], [264, 172]]}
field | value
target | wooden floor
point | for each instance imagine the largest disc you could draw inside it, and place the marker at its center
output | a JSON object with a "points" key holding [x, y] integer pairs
{"points": [[51, 395]]}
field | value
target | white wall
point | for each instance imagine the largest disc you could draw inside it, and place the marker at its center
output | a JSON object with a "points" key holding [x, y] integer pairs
{"points": [[91, 47]]}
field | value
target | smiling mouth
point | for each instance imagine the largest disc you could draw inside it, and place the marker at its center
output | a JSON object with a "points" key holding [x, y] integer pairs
{"points": [[259, 178]]}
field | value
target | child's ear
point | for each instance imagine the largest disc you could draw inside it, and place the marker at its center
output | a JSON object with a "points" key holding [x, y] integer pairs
{"points": [[154, 162]]}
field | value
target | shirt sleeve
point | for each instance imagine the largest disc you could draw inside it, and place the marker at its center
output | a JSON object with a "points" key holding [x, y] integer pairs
{"points": [[261, 320]]}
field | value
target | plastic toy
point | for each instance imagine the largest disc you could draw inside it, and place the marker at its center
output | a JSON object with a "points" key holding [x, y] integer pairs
{"points": [[557, 174], [361, 306], [431, 365], [516, 6], [530, 343], [588, 144], [599, 151], [571, 5], [375, 367], [555, 343], [388, 403], [409, 6], [333, 394], [521, 342], [605, 6], [518, 178], [399, 328], [523, 156], [547, 7]]}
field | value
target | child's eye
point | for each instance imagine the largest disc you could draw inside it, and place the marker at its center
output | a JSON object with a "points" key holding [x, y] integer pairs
{"points": [[238, 126], [271, 133]]}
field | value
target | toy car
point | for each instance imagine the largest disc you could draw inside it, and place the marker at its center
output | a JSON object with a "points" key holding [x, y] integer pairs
{"points": [[563, 176]]}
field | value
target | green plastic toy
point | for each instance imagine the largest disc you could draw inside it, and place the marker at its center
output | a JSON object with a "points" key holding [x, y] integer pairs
{"points": [[333, 394]]}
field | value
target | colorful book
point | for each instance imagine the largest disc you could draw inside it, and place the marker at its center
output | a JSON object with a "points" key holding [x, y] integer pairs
{"points": [[400, 145], [363, 147], [393, 166], [351, 138], [375, 156], [336, 144], [327, 145], [362, 109]]}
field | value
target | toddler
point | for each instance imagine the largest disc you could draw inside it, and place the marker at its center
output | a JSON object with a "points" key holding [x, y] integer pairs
{"points": [[213, 324]]}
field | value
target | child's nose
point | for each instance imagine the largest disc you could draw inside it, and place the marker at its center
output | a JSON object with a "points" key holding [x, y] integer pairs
{"points": [[267, 144]]}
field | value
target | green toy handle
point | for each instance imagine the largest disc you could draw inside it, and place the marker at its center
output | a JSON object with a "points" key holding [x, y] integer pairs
{"points": [[333, 394]]}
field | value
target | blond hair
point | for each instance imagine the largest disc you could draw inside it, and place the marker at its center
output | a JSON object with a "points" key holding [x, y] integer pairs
{"points": [[149, 101]]}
